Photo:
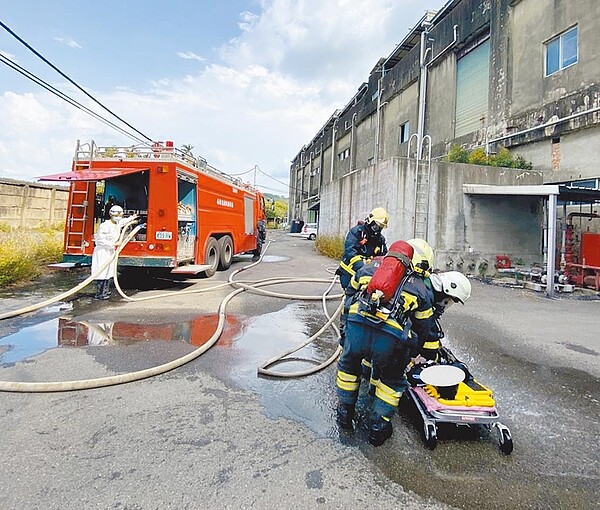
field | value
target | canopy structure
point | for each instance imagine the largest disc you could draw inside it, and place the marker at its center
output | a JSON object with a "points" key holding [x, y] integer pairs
{"points": [[91, 175], [552, 193]]}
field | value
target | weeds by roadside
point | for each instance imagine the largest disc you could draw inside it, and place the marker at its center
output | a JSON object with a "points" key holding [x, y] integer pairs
{"points": [[25, 252], [331, 246]]}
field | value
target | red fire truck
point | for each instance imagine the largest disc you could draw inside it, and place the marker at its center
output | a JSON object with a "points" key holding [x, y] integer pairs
{"points": [[195, 218]]}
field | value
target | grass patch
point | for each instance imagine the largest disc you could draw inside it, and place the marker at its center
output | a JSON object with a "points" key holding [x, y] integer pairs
{"points": [[331, 246], [25, 253]]}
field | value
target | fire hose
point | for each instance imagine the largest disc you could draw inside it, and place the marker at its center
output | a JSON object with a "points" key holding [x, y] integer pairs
{"points": [[58, 386]]}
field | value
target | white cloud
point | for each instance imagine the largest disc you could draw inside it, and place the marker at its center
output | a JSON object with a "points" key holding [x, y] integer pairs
{"points": [[292, 64], [69, 42], [247, 21], [9, 55], [190, 55]]}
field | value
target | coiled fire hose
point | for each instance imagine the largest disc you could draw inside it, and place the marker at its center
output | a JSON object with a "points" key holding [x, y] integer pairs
{"points": [[58, 386]]}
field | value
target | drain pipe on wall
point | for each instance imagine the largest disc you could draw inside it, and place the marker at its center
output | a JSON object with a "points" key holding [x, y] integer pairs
{"points": [[379, 92], [423, 81], [352, 152], [333, 133]]}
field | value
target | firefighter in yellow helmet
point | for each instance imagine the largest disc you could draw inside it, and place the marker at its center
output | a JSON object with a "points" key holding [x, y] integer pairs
{"points": [[381, 338], [363, 241]]}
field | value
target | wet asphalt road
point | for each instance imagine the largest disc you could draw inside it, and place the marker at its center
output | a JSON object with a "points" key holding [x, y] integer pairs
{"points": [[213, 434]]}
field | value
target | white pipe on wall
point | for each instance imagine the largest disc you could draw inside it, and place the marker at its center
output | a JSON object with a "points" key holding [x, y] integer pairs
{"points": [[547, 124]]}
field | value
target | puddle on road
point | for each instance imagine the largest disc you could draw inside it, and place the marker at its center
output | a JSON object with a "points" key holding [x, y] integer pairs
{"points": [[48, 285], [310, 400], [64, 332], [28, 342], [274, 258], [266, 258]]}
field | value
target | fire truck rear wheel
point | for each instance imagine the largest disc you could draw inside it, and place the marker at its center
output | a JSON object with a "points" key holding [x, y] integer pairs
{"points": [[225, 252], [211, 256]]}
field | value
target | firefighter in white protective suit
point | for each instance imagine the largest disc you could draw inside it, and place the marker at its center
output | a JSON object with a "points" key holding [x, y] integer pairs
{"points": [[105, 243]]}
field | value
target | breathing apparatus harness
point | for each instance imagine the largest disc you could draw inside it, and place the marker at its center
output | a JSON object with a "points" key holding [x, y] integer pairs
{"points": [[371, 303]]}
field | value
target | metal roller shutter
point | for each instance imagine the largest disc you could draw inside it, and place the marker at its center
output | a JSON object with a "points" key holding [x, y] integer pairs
{"points": [[472, 84]]}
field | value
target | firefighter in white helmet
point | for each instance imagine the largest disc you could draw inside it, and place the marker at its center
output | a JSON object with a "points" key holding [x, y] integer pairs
{"points": [[450, 287], [105, 243]]}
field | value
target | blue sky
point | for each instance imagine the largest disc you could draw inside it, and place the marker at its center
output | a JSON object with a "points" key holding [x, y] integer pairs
{"points": [[246, 82]]}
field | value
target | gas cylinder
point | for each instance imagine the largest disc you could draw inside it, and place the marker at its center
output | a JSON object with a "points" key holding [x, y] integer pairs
{"points": [[388, 276]]}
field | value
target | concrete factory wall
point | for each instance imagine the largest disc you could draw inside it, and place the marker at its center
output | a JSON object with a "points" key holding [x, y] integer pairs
{"points": [[27, 204], [467, 232]]}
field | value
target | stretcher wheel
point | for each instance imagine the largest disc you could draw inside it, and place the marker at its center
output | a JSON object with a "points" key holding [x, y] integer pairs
{"points": [[430, 435], [506, 442]]}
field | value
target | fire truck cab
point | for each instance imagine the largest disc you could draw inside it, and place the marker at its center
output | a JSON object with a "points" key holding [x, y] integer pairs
{"points": [[194, 218]]}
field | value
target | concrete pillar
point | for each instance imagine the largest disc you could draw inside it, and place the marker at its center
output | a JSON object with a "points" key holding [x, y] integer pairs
{"points": [[24, 195], [52, 206], [552, 200]]}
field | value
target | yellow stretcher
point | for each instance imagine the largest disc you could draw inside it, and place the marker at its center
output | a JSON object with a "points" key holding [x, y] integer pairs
{"points": [[471, 403]]}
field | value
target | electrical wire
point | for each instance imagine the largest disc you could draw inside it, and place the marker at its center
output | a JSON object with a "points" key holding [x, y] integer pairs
{"points": [[280, 182], [38, 54], [39, 81], [287, 185]]}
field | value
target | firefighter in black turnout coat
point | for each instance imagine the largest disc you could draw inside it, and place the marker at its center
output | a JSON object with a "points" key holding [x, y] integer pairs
{"points": [[382, 336], [363, 242]]}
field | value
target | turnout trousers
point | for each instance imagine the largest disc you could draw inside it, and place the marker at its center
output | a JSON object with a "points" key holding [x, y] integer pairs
{"points": [[389, 356]]}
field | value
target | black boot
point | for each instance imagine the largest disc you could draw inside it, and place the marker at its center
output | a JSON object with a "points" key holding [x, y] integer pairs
{"points": [[99, 289], [379, 431], [107, 287], [344, 415], [103, 289]]}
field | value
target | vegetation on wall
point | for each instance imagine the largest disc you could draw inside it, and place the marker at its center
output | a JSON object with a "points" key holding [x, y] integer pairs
{"points": [[503, 158]]}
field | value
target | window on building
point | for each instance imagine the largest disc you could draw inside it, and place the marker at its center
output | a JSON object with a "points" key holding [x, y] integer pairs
{"points": [[344, 154], [561, 51], [404, 132], [589, 184]]}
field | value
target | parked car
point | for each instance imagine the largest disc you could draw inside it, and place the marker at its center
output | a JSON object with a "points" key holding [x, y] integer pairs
{"points": [[309, 231]]}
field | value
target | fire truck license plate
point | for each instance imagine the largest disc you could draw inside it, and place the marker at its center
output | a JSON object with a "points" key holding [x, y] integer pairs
{"points": [[165, 236]]}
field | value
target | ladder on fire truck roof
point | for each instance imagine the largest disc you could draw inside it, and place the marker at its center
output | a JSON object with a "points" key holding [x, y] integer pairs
{"points": [[422, 186], [77, 216]]}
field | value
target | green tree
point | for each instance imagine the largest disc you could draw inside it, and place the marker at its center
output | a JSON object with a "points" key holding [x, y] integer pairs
{"points": [[276, 210], [187, 150]]}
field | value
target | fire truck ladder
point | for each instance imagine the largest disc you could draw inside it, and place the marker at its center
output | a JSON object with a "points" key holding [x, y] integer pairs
{"points": [[78, 210], [422, 186]]}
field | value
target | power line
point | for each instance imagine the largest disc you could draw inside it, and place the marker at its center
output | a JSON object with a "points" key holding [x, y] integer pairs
{"points": [[38, 54], [38, 81], [284, 183], [242, 173], [280, 182], [270, 189]]}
